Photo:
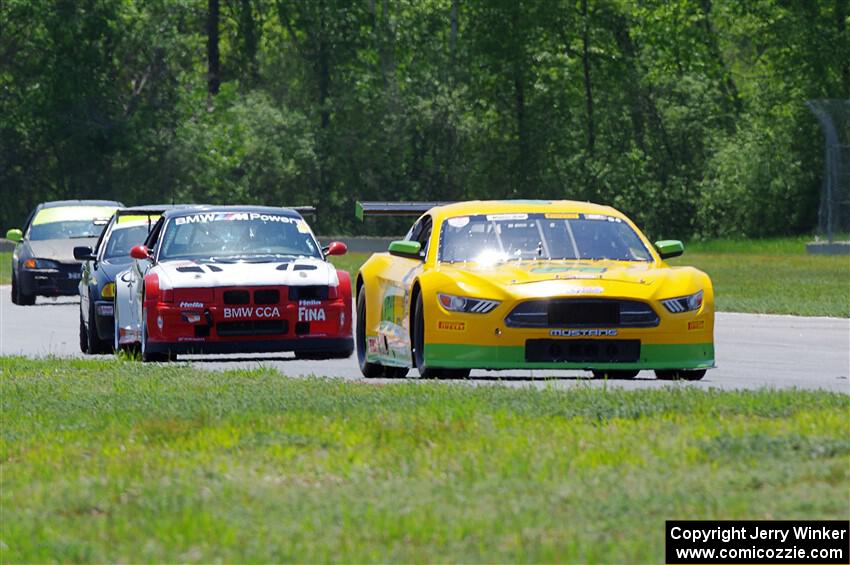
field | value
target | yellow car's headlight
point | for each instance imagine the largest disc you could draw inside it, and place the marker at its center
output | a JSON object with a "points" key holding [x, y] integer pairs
{"points": [[454, 303], [108, 290], [684, 303]]}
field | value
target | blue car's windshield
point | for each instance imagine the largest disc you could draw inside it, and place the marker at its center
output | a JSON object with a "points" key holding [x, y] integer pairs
{"points": [[121, 240], [237, 235], [505, 237]]}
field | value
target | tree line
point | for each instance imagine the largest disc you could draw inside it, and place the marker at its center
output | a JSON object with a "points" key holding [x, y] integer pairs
{"points": [[689, 115]]}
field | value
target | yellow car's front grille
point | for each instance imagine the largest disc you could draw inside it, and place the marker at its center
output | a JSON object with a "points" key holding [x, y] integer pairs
{"points": [[582, 313]]}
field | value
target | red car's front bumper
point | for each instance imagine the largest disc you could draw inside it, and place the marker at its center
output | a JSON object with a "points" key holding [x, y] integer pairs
{"points": [[246, 320]]}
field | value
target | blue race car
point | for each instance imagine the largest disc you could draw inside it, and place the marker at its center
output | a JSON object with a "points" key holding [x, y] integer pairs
{"points": [[127, 228]]}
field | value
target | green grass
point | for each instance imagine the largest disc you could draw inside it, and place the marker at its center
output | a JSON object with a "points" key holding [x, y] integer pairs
{"points": [[773, 276], [5, 267], [117, 461], [764, 276], [350, 262]]}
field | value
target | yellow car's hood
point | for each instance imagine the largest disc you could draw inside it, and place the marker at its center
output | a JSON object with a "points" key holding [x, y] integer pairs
{"points": [[552, 278]]}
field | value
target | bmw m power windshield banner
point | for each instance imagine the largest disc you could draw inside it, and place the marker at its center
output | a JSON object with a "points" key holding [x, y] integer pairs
{"points": [[754, 541]]}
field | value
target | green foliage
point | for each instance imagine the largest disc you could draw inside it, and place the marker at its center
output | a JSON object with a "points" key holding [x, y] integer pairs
{"points": [[687, 115], [118, 461], [244, 148]]}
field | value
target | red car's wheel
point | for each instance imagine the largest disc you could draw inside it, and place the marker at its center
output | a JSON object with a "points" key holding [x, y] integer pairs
{"points": [[147, 355]]}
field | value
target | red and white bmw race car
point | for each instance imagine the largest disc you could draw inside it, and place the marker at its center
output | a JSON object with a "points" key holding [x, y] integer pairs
{"points": [[230, 279]]}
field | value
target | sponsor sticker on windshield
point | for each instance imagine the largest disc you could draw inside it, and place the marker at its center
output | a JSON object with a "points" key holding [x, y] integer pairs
{"points": [[234, 217], [601, 217], [458, 222], [500, 217], [302, 226], [562, 216]]}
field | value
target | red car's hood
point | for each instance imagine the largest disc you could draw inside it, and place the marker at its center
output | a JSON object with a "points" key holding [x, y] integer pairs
{"points": [[192, 274]]}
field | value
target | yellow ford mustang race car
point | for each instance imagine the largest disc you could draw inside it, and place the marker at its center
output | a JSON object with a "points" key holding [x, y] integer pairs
{"points": [[521, 284]]}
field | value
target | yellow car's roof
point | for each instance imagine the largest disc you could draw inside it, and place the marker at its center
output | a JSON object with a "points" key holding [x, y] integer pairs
{"points": [[474, 207]]}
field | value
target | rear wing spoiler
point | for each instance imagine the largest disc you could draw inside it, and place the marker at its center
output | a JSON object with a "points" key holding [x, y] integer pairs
{"points": [[159, 209], [304, 210], [363, 209], [152, 210]]}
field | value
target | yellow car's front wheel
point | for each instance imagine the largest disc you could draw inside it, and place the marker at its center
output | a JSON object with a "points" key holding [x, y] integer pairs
{"points": [[425, 371]]}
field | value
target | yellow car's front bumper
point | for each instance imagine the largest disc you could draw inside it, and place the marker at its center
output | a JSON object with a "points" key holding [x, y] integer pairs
{"points": [[679, 341]]}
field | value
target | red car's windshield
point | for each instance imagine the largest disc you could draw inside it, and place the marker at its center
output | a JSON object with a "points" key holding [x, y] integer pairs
{"points": [[237, 235]]}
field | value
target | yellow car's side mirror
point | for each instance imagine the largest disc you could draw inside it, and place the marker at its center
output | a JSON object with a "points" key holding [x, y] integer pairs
{"points": [[669, 248], [406, 249]]}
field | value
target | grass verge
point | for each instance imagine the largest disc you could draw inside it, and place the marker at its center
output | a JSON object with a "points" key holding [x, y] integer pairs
{"points": [[113, 461], [5, 267], [773, 276], [763, 276]]}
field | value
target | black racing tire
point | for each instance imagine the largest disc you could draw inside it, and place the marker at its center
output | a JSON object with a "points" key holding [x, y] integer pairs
{"points": [[680, 374], [425, 371], [96, 346], [84, 334], [618, 374], [19, 297], [150, 356], [370, 370]]}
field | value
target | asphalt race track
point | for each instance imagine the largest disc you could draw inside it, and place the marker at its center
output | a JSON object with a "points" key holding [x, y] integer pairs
{"points": [[752, 351]]}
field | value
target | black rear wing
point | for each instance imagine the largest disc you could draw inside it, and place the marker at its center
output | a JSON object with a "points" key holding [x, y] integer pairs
{"points": [[363, 209], [149, 210], [304, 210]]}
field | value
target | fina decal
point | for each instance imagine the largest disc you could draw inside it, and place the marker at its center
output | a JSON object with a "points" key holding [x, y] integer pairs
{"points": [[451, 326], [311, 314], [696, 325], [582, 333], [458, 222], [234, 216], [251, 311], [191, 304], [497, 217]]}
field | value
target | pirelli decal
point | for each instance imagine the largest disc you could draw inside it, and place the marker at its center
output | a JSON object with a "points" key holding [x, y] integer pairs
{"points": [[451, 326]]}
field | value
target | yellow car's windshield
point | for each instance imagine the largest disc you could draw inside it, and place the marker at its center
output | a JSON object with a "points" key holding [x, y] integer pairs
{"points": [[491, 238]]}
